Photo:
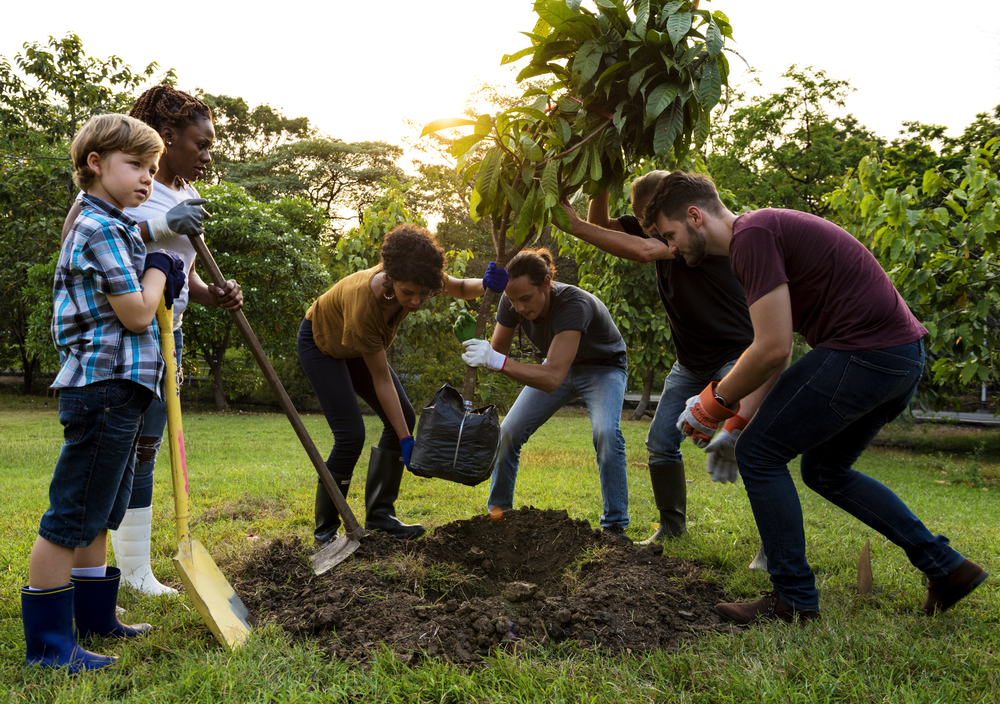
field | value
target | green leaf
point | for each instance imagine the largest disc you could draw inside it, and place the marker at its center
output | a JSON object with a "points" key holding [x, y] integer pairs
{"points": [[488, 176], [586, 62], [969, 371], [530, 148], [702, 127], [445, 123], [635, 80], [550, 183], [710, 88], [515, 199], [464, 144], [678, 26], [595, 165], [528, 173], [484, 125], [641, 17], [561, 218], [579, 166], [668, 126], [564, 131], [713, 39], [660, 98], [511, 58]]}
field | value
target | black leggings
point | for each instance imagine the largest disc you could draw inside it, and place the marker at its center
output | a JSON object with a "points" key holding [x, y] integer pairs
{"points": [[337, 383]]}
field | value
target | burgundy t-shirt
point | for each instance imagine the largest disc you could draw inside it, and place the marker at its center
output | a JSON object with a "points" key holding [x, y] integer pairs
{"points": [[841, 298]]}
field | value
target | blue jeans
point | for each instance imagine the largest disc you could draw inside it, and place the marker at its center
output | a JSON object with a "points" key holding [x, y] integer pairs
{"points": [[664, 439], [92, 480], [827, 407], [154, 420], [603, 390]]}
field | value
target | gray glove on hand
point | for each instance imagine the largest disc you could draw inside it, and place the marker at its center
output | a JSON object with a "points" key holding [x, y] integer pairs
{"points": [[185, 218], [721, 463], [479, 353]]}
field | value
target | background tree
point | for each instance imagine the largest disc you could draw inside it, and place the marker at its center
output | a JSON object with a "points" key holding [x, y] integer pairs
{"points": [[785, 150], [621, 84], [273, 250], [938, 243], [53, 90]]}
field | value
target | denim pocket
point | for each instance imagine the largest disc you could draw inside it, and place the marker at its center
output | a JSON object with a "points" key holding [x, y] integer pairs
{"points": [[865, 386], [73, 416], [119, 394]]}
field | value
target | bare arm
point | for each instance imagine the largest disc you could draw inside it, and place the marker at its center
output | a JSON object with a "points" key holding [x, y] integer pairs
{"points": [[545, 377], [136, 310], [465, 289], [767, 356], [597, 213], [229, 298], [619, 244], [378, 366]]}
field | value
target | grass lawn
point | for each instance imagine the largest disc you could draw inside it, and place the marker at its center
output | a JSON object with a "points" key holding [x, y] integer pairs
{"points": [[250, 482]]}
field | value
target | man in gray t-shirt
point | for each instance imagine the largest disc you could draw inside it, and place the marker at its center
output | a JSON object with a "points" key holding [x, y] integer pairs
{"points": [[584, 358]]}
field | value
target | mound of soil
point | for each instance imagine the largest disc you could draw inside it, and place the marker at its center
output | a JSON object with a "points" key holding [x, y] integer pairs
{"points": [[532, 576]]}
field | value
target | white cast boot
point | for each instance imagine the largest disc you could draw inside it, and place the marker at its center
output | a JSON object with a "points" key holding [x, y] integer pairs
{"points": [[131, 546]]}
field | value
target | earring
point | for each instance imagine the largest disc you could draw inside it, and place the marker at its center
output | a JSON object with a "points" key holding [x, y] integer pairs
{"points": [[388, 298], [170, 144]]}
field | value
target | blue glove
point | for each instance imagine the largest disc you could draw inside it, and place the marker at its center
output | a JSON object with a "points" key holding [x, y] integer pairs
{"points": [[173, 267], [495, 278], [406, 445]]}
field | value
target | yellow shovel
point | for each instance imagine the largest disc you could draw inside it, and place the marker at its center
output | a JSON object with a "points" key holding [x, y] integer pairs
{"points": [[217, 602]]}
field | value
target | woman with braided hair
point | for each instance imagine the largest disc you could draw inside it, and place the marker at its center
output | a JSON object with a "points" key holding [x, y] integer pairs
{"points": [[166, 220]]}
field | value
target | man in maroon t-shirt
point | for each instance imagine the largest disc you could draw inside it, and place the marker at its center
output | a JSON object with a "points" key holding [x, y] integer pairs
{"points": [[804, 274]]}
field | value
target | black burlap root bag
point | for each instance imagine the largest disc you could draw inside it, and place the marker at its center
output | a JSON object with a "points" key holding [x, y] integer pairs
{"points": [[454, 443]]}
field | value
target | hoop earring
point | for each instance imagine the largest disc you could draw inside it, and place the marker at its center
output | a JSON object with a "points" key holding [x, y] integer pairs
{"points": [[388, 298]]}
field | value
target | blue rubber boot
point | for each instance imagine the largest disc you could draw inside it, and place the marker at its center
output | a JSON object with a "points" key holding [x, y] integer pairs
{"points": [[48, 632], [94, 607]]}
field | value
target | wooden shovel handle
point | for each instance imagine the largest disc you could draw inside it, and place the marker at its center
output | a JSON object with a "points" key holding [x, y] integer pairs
{"points": [[351, 526]]}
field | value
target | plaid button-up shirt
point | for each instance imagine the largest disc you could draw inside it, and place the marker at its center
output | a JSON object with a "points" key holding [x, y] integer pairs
{"points": [[102, 255]]}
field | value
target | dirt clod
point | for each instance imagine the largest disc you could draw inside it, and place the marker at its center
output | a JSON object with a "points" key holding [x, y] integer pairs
{"points": [[474, 585]]}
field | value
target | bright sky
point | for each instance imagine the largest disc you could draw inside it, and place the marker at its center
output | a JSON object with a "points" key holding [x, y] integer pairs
{"points": [[356, 69]]}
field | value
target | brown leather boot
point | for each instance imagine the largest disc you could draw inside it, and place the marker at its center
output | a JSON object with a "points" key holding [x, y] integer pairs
{"points": [[768, 608], [945, 593]]}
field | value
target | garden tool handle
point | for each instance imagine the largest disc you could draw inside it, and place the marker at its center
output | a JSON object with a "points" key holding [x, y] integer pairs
{"points": [[350, 522]]}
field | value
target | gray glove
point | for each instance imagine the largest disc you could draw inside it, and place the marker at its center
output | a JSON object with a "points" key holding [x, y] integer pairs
{"points": [[721, 463], [185, 218]]}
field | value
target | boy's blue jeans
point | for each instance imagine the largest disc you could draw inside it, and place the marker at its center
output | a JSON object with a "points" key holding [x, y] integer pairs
{"points": [[92, 480], [827, 407], [664, 439], [603, 390]]}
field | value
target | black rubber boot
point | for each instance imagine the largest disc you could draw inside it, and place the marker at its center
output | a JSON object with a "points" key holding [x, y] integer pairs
{"points": [[670, 494], [94, 607], [327, 516], [385, 474]]}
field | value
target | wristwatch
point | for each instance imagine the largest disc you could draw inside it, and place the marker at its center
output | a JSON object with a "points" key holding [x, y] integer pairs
{"points": [[719, 400]]}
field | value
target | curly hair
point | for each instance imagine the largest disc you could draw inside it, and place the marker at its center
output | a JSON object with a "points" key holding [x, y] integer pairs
{"points": [[410, 253], [535, 263], [165, 106]]}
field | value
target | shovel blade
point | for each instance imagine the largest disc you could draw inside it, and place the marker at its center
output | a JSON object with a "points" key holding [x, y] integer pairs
{"points": [[333, 554], [217, 602]]}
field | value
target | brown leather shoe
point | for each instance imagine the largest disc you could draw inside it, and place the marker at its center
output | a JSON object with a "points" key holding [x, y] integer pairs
{"points": [[945, 593], [768, 608]]}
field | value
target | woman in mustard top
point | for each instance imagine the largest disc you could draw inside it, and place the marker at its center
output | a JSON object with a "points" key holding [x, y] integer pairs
{"points": [[342, 344]]}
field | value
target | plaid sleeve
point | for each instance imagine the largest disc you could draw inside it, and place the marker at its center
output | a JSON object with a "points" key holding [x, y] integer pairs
{"points": [[106, 258]]}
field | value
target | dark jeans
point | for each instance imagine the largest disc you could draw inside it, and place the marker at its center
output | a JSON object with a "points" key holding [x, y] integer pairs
{"points": [[92, 481], [827, 407], [338, 383]]}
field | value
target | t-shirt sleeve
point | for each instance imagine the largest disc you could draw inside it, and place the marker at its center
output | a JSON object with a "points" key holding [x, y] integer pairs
{"points": [[362, 331], [757, 261], [106, 259], [505, 313]]}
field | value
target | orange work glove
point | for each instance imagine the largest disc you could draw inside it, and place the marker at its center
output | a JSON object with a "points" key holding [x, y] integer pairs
{"points": [[702, 416]]}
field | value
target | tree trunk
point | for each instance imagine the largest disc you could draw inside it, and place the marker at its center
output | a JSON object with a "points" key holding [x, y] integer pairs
{"points": [[28, 365], [647, 387], [218, 390]]}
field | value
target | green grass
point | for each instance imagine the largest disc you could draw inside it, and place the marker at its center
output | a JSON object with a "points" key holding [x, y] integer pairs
{"points": [[250, 482]]}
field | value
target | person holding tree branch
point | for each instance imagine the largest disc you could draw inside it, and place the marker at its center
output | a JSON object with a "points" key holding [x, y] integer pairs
{"points": [[342, 347], [710, 327], [584, 357]]}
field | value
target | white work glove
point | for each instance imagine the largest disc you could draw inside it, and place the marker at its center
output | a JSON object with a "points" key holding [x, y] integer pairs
{"points": [[479, 353], [721, 463], [185, 218], [702, 415]]}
